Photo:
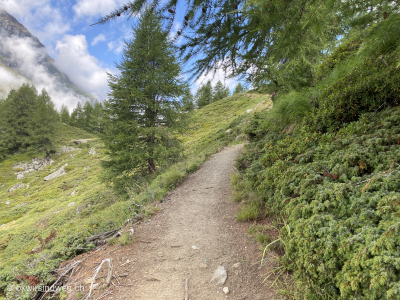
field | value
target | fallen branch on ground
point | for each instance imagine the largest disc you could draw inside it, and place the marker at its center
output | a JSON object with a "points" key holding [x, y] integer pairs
{"points": [[109, 276], [187, 289]]}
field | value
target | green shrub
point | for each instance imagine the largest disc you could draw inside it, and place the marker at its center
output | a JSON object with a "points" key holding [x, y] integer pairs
{"points": [[263, 239], [112, 241], [193, 167], [172, 179], [69, 168], [369, 86], [125, 239], [289, 108], [249, 211], [339, 194]]}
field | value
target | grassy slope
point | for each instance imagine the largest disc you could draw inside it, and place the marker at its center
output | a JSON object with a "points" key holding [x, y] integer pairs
{"points": [[35, 211]]}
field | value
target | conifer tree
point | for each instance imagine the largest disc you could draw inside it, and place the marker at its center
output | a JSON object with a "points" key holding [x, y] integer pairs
{"points": [[46, 122], [64, 114], [99, 118], [239, 89], [17, 122], [88, 117], [187, 100], [241, 36], [144, 103], [27, 119], [77, 116], [204, 95], [220, 91]]}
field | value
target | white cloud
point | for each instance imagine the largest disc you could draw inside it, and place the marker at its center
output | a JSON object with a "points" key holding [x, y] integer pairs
{"points": [[29, 57], [116, 46], [96, 8], [42, 19], [214, 77], [81, 67], [9, 81], [21, 7], [100, 38]]}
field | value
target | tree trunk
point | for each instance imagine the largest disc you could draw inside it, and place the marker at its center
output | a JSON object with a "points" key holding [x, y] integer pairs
{"points": [[151, 165]]}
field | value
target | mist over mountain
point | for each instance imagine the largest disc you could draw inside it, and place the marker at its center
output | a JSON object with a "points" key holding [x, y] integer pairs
{"points": [[23, 58]]}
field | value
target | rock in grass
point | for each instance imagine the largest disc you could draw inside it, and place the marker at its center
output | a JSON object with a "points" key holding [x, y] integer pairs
{"points": [[92, 152], [37, 164], [219, 276], [56, 174], [16, 187], [241, 137], [67, 149]]}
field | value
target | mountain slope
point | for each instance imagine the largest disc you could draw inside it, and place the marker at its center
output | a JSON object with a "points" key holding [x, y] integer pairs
{"points": [[23, 53]]}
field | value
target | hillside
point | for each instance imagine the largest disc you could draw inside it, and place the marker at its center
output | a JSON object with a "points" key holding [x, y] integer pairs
{"points": [[49, 221]]}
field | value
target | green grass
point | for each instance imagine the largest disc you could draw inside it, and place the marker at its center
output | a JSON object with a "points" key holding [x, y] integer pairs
{"points": [[35, 211]]}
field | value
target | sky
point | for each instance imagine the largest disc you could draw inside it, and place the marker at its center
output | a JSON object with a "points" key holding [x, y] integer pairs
{"points": [[85, 53]]}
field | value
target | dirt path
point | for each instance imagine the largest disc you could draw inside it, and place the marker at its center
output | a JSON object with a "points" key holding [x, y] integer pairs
{"points": [[198, 213]]}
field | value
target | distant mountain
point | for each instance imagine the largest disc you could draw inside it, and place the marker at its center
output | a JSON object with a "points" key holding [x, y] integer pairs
{"points": [[24, 58]]}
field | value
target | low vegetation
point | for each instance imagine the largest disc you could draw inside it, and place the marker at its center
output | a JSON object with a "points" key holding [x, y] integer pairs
{"points": [[324, 161], [46, 222]]}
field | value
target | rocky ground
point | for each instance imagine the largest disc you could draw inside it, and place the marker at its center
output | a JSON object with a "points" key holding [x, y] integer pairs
{"points": [[176, 253]]}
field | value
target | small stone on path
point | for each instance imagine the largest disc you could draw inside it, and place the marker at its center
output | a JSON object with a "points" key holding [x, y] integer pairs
{"points": [[225, 290], [219, 276], [236, 266]]}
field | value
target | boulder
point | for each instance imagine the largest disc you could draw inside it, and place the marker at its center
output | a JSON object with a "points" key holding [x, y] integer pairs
{"points": [[219, 276], [77, 142], [92, 152], [36, 165], [16, 187], [56, 174], [67, 149], [241, 137]]}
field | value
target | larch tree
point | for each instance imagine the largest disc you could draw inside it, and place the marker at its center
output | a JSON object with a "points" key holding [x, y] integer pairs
{"points": [[204, 95], [187, 100], [77, 116], [88, 117], [17, 118], [99, 117], [143, 106], [46, 122], [28, 119], [220, 91], [239, 89], [64, 114], [277, 43]]}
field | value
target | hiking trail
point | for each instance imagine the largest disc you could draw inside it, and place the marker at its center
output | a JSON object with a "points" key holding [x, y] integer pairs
{"points": [[195, 233]]}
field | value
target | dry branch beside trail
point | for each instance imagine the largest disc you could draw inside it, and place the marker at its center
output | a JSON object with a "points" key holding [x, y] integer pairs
{"points": [[109, 276], [104, 237]]}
